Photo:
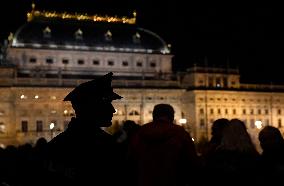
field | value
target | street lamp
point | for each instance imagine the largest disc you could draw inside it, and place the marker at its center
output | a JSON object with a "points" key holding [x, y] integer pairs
{"points": [[51, 127], [258, 124]]}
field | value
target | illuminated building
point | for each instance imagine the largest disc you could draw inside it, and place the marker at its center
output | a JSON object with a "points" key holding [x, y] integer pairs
{"points": [[53, 52]]}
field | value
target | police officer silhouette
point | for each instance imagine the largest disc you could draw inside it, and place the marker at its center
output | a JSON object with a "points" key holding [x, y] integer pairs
{"points": [[84, 153]]}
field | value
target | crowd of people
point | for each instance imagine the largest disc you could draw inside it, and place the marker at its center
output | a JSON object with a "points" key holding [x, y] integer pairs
{"points": [[159, 153]]}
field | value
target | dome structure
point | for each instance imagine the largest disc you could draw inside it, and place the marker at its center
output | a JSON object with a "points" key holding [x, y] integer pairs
{"points": [[82, 32]]}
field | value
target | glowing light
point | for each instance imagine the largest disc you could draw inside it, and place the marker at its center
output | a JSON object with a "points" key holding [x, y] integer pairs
{"points": [[80, 17], [258, 124], [23, 96], [36, 96], [115, 111], [51, 126], [65, 112], [182, 121], [53, 112], [53, 97], [192, 139]]}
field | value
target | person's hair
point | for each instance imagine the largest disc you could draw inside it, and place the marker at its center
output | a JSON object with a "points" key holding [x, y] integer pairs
{"points": [[236, 138], [270, 137], [163, 112], [217, 129]]}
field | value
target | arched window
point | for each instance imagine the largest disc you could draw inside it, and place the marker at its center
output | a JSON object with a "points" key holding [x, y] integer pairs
{"points": [[47, 32]]}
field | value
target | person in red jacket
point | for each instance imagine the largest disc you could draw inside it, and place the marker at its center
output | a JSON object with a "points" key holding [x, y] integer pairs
{"points": [[162, 153]]}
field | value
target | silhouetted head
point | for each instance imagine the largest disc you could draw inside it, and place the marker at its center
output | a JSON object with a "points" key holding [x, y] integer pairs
{"points": [[92, 100], [270, 138], [236, 138], [218, 128], [163, 112], [130, 126]]}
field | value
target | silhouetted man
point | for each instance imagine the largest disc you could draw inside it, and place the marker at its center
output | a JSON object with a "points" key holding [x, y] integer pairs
{"points": [[162, 153], [85, 154]]}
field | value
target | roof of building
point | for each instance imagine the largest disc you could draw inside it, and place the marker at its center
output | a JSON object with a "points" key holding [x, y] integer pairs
{"points": [[83, 32]]}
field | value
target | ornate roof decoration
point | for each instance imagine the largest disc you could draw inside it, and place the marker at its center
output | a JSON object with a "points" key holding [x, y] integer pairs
{"points": [[80, 17]]}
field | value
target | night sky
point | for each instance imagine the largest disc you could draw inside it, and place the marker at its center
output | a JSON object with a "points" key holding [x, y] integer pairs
{"points": [[249, 37]]}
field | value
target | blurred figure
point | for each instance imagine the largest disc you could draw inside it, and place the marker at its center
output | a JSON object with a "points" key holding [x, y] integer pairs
{"points": [[217, 131], [84, 154], [272, 162], [162, 153], [236, 158]]}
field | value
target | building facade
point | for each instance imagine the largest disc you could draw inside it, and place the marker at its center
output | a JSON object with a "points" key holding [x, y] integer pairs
{"points": [[54, 52]]}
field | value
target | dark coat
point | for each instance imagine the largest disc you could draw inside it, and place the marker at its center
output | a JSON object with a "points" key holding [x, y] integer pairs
{"points": [[79, 156], [162, 154]]}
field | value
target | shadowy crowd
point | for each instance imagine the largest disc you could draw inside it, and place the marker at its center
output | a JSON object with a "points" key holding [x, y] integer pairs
{"points": [[159, 153]]}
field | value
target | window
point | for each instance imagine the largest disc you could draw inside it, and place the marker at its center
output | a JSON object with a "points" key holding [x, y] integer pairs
{"points": [[266, 111], [96, 62], [124, 63], [79, 34], [210, 81], [139, 64], [252, 123], [201, 111], [65, 61], [136, 38], [234, 111], [110, 63], [202, 123], [24, 126], [218, 82], [279, 111], [39, 125], [134, 113], [32, 60], [80, 62], [259, 111], [226, 111], [211, 111], [108, 36], [153, 64], [49, 60], [219, 111], [244, 111], [47, 32], [2, 128], [225, 82], [279, 123], [251, 111]]}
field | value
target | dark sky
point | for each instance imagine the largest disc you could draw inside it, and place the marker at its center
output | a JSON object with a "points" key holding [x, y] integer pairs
{"points": [[249, 36]]}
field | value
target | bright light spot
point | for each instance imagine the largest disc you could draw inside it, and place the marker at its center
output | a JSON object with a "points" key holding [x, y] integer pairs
{"points": [[2, 145], [36, 96], [51, 126], [182, 121], [65, 111], [258, 124], [23, 96], [192, 139], [53, 112], [218, 85], [115, 111], [53, 97]]}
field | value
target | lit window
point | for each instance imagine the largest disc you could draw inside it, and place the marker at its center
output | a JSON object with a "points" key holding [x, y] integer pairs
{"points": [[136, 38], [108, 36], [134, 113], [2, 128], [47, 32], [79, 34], [65, 112], [53, 97], [36, 96], [53, 112]]}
